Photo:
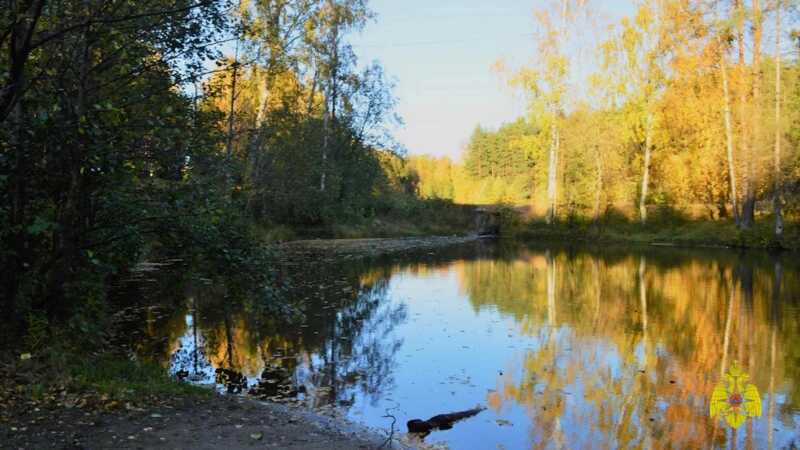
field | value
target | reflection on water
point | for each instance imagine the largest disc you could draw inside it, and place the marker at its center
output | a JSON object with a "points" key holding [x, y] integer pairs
{"points": [[568, 348]]}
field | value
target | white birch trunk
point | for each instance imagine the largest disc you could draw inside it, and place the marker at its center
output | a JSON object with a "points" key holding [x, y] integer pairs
{"points": [[776, 200], [648, 133], [729, 139]]}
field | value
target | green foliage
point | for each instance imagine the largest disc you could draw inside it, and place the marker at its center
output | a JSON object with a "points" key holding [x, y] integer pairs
{"points": [[117, 149], [127, 380], [99, 151], [669, 229], [275, 233], [38, 331], [506, 153]]}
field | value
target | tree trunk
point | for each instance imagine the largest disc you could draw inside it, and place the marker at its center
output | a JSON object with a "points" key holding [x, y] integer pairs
{"points": [[66, 254], [598, 186], [312, 92], [18, 189], [231, 116], [12, 114], [255, 148], [231, 107], [552, 170], [324, 147], [729, 138], [330, 111], [20, 48], [748, 211], [648, 136], [776, 199], [744, 145]]}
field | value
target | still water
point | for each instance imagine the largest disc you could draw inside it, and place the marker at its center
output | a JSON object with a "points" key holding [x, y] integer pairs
{"points": [[565, 347]]}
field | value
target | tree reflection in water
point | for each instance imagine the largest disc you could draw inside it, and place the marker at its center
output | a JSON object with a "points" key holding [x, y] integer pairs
{"points": [[343, 344], [639, 343], [603, 348]]}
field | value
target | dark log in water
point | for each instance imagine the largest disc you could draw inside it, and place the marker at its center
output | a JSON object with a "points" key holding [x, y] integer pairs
{"points": [[441, 421]]}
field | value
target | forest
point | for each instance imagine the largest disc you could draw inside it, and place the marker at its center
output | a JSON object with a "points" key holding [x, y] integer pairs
{"points": [[177, 178], [205, 131], [199, 130], [690, 109]]}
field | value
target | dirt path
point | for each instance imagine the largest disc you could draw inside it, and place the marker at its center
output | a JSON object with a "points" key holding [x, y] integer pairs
{"points": [[216, 422]]}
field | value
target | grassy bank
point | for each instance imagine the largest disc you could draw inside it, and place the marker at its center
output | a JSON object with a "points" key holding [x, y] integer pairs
{"points": [[116, 403], [125, 379], [407, 217], [69, 380], [678, 233]]}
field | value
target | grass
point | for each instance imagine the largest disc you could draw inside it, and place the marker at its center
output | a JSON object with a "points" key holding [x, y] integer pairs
{"points": [[411, 219], [387, 228], [123, 379], [270, 233], [676, 232], [108, 380]]}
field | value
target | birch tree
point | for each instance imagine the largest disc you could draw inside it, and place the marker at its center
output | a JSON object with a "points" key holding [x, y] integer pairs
{"points": [[729, 136], [334, 57], [547, 83], [636, 59], [722, 49], [776, 200], [751, 163]]}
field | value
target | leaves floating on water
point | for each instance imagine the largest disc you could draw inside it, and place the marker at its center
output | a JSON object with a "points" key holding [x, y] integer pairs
{"points": [[504, 423]]}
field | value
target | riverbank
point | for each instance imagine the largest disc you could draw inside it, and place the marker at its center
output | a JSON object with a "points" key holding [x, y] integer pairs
{"points": [[701, 234], [112, 403], [330, 249], [196, 422]]}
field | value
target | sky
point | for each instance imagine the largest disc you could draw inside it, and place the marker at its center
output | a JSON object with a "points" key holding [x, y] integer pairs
{"points": [[440, 54]]}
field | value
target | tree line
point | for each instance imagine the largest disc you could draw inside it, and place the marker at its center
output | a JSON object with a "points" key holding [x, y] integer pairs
{"points": [[689, 103], [177, 128]]}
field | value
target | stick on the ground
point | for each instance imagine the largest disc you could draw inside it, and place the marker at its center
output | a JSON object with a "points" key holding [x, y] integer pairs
{"points": [[391, 427]]}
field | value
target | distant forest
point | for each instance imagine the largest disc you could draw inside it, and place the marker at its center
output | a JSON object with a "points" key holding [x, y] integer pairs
{"points": [[693, 106]]}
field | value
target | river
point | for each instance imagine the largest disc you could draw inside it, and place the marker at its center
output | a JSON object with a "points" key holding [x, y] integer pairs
{"points": [[565, 347]]}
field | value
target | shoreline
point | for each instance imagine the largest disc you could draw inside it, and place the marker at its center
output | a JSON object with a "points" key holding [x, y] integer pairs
{"points": [[215, 421], [691, 236], [366, 247]]}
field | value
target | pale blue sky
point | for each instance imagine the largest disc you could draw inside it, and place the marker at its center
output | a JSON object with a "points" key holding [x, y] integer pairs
{"points": [[440, 53]]}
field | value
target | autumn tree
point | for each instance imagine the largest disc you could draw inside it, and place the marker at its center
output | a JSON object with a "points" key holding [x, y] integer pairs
{"points": [[96, 136], [636, 58]]}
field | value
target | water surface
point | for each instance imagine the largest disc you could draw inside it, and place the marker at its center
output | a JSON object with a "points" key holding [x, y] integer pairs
{"points": [[566, 347]]}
